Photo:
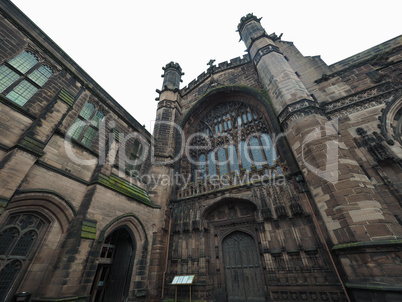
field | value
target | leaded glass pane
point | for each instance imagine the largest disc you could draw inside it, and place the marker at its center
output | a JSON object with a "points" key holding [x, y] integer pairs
{"points": [[77, 128], [7, 238], [223, 168], [245, 156], [269, 149], [211, 164], [87, 111], [89, 136], [41, 75], [256, 152], [233, 161], [7, 77], [7, 276], [202, 166], [22, 93], [24, 244], [98, 117], [24, 61], [238, 122]]}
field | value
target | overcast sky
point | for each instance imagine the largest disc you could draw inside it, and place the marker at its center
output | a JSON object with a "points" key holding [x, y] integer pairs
{"points": [[123, 44]]}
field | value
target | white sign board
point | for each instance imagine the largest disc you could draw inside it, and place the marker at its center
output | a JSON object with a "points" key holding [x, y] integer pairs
{"points": [[179, 280]]}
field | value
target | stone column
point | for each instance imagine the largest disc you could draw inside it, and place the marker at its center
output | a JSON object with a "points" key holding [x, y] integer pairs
{"points": [[166, 132]]}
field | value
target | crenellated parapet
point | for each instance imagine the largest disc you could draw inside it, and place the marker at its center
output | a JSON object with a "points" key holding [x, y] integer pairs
{"points": [[223, 66]]}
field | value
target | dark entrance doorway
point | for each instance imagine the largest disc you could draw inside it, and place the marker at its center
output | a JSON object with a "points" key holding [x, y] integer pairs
{"points": [[244, 280], [112, 279]]}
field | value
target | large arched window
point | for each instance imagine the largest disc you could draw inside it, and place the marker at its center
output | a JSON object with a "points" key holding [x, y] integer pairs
{"points": [[230, 138], [19, 238], [22, 76]]}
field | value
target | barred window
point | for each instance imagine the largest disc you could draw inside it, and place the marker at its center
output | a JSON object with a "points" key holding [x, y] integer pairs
{"points": [[22, 77], [86, 126]]}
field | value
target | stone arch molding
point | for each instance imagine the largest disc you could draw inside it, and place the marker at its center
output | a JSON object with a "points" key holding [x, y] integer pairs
{"points": [[50, 204], [219, 201], [257, 98], [58, 213], [391, 120], [130, 221]]}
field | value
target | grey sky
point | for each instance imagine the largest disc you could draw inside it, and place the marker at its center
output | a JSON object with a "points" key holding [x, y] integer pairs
{"points": [[124, 44]]}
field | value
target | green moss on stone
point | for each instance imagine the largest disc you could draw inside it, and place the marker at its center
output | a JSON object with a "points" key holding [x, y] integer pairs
{"points": [[32, 145], [366, 244], [126, 188]]}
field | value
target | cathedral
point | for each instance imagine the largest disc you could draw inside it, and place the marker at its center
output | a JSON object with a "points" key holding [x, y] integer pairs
{"points": [[269, 177]]}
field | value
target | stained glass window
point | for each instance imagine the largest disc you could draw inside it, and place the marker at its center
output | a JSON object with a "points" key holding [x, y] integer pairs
{"points": [[246, 144]]}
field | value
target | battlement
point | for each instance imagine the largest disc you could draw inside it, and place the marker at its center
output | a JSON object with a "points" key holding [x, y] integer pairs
{"points": [[215, 69]]}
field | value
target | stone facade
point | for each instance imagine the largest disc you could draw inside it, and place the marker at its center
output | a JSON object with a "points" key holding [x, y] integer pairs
{"points": [[271, 177]]}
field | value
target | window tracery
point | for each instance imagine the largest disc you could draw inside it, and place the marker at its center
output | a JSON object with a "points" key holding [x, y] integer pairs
{"points": [[18, 239], [231, 137]]}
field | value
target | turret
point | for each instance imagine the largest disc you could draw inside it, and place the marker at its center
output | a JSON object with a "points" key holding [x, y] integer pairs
{"points": [[275, 73], [171, 81], [168, 109]]}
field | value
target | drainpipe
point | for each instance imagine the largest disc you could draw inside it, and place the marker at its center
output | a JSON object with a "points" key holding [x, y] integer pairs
{"points": [[167, 251], [299, 179]]}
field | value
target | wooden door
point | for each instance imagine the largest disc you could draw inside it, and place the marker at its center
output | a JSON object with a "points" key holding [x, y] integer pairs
{"points": [[112, 279], [244, 280]]}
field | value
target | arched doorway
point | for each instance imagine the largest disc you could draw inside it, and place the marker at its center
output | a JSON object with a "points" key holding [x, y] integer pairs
{"points": [[242, 268], [112, 279]]}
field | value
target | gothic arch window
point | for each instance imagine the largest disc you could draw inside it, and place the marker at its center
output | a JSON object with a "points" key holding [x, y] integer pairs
{"points": [[231, 137], [86, 126], [19, 238], [22, 77]]}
